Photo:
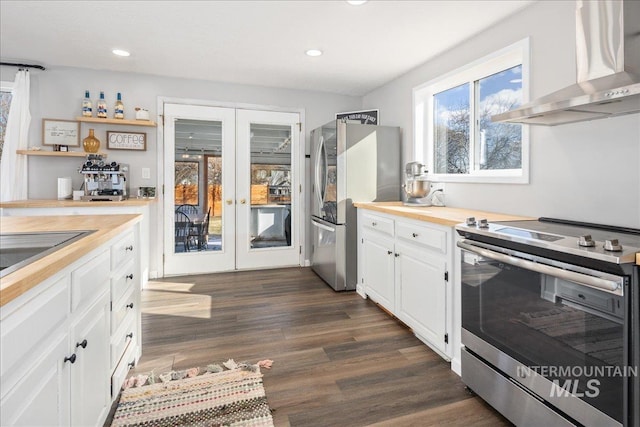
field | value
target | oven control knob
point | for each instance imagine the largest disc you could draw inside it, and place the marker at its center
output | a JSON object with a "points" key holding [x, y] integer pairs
{"points": [[612, 245], [586, 241], [483, 223], [471, 221]]}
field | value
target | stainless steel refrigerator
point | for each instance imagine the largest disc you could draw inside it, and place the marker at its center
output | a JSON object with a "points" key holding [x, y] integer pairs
{"points": [[350, 162]]}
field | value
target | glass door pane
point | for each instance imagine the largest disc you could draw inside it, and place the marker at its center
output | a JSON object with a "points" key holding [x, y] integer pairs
{"points": [[270, 156], [198, 185]]}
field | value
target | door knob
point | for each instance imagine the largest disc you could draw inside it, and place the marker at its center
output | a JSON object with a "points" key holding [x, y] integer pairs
{"points": [[243, 201], [229, 201]]}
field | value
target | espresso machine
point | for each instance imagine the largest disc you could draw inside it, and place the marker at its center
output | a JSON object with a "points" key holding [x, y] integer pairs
{"points": [[104, 181], [416, 186]]}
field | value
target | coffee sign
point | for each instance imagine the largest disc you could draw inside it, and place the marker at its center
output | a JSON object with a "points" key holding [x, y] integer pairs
{"points": [[127, 141]]}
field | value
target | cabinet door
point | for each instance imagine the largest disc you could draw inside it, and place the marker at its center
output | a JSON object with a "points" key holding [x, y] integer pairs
{"points": [[41, 397], [377, 265], [90, 374], [421, 295]]}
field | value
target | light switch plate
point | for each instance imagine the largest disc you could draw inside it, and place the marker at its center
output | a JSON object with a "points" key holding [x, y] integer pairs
{"points": [[146, 173]]}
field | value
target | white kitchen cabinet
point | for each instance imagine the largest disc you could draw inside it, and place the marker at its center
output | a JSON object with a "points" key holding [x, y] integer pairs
{"points": [[421, 298], [378, 274], [57, 340], [403, 267], [90, 382]]}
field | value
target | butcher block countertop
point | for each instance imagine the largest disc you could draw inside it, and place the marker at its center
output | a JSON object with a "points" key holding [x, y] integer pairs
{"points": [[436, 214], [52, 203], [106, 227]]}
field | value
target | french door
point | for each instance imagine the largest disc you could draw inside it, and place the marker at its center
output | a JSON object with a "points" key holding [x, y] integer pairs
{"points": [[229, 197]]}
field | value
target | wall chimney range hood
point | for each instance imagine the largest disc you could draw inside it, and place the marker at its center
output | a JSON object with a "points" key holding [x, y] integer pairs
{"points": [[608, 69]]}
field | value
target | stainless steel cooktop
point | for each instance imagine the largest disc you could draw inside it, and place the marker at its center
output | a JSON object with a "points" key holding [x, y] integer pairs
{"points": [[610, 244]]}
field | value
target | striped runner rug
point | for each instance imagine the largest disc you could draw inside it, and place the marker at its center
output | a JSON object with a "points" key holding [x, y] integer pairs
{"points": [[234, 397]]}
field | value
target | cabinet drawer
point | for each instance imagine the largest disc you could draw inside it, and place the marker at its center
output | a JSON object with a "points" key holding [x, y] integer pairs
{"points": [[122, 369], [121, 308], [87, 281], [122, 281], [123, 250], [423, 235], [122, 338], [378, 223], [32, 325]]}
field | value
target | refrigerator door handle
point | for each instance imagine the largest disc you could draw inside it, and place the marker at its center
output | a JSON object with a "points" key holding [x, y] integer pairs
{"points": [[322, 226], [318, 186]]}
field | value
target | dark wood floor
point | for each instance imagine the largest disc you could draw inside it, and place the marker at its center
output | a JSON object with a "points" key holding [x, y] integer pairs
{"points": [[338, 359]]}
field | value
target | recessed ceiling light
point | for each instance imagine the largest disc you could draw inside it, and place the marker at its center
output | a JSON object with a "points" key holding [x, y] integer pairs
{"points": [[314, 52], [120, 52], [356, 2]]}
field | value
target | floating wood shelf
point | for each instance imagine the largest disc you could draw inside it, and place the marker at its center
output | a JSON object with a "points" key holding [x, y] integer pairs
{"points": [[56, 153], [117, 121]]}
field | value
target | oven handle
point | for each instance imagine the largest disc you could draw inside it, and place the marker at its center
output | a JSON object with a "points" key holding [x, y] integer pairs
{"points": [[579, 278]]}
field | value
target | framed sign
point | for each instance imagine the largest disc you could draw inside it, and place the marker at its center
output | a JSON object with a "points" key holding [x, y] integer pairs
{"points": [[369, 117], [60, 132], [127, 141]]}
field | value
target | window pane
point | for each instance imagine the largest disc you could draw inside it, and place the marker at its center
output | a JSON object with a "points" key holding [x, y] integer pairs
{"points": [[5, 102], [499, 145], [451, 130]]}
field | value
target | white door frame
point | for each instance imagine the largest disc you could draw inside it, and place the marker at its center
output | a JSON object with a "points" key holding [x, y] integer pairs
{"points": [[160, 220]]}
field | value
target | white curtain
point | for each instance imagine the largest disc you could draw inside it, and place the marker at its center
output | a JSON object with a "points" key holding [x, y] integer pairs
{"points": [[13, 168]]}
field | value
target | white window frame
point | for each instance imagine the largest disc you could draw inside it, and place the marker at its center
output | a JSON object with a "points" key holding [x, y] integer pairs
{"points": [[423, 95]]}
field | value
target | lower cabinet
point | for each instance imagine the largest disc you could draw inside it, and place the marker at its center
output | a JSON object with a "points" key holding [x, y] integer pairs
{"points": [[57, 345], [89, 384], [403, 267]]}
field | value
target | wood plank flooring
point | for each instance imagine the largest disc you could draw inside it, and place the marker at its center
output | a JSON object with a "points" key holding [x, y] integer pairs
{"points": [[339, 360]]}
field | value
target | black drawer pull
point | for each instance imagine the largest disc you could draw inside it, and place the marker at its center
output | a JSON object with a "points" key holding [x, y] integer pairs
{"points": [[130, 305], [129, 276], [130, 335], [129, 248], [71, 358], [389, 252], [131, 364], [414, 234], [397, 255], [82, 344], [581, 296]]}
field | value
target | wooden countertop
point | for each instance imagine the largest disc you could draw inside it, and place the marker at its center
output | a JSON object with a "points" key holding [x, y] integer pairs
{"points": [[436, 214], [107, 227], [51, 203]]}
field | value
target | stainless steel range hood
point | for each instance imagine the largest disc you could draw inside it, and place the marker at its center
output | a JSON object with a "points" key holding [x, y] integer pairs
{"points": [[608, 69]]}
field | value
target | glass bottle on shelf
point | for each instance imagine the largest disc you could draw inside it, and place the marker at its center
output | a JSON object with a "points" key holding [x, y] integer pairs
{"points": [[87, 105], [118, 110], [102, 107]]}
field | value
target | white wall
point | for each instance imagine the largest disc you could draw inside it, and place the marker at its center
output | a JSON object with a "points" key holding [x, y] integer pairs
{"points": [[58, 92], [585, 171]]}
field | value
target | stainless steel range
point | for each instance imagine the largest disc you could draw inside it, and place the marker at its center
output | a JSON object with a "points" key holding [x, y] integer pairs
{"points": [[550, 320]]}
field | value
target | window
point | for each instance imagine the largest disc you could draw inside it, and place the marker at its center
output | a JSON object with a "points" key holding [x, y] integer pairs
{"points": [[5, 103], [453, 127]]}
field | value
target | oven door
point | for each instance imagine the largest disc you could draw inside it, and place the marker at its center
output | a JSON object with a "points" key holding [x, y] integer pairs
{"points": [[556, 329]]}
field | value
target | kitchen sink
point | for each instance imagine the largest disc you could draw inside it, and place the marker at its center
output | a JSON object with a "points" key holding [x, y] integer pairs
{"points": [[20, 249]]}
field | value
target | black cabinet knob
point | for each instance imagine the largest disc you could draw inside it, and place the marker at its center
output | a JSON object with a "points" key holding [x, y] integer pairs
{"points": [[82, 344], [389, 252], [129, 248], [130, 335], [130, 276], [131, 365], [130, 305], [397, 255], [71, 358]]}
